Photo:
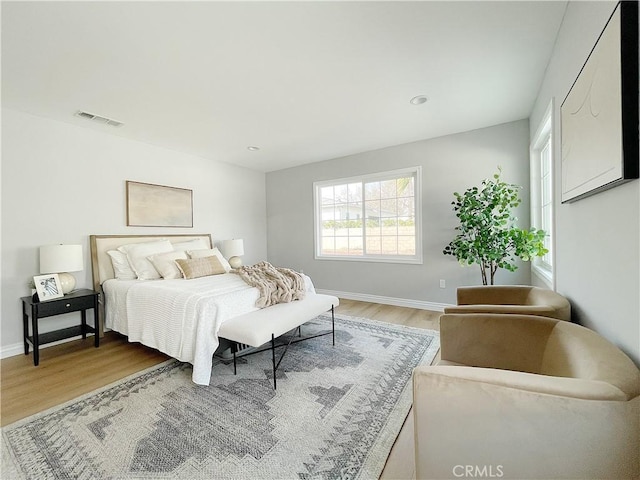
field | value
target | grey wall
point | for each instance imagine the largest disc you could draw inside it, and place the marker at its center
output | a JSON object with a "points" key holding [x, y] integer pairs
{"points": [[451, 163], [597, 238], [62, 183]]}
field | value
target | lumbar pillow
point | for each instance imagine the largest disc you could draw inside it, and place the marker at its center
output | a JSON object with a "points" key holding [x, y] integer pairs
{"points": [[165, 264], [209, 252], [200, 267]]}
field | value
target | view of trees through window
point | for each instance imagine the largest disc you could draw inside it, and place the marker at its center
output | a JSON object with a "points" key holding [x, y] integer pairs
{"points": [[369, 217]]}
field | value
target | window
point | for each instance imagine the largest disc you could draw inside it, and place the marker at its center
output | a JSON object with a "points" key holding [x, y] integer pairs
{"points": [[372, 218], [546, 201], [542, 193]]}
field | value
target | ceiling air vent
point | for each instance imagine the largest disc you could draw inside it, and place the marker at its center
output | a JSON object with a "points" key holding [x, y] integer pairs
{"points": [[99, 119]]}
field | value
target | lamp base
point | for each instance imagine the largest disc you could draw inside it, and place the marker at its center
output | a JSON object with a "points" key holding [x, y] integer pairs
{"points": [[235, 262], [67, 281]]}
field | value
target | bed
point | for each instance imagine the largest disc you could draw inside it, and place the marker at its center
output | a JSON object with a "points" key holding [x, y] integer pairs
{"points": [[186, 318]]}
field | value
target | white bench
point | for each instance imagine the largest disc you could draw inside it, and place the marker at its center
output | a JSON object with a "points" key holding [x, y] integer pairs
{"points": [[261, 326]]}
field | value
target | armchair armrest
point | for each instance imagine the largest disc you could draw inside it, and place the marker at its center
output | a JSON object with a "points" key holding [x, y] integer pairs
{"points": [[522, 299], [521, 425], [540, 310], [495, 341], [574, 388], [493, 295]]}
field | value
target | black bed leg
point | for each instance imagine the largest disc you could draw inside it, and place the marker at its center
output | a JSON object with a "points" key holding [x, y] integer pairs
{"points": [[273, 358], [333, 326]]}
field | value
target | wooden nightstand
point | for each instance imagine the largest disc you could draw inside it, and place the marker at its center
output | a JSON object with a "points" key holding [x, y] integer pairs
{"points": [[76, 301]]}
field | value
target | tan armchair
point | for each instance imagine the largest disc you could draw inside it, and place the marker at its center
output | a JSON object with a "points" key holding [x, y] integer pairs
{"points": [[519, 299], [528, 397]]}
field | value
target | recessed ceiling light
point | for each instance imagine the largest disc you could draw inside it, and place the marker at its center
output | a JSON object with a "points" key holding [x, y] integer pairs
{"points": [[253, 149], [419, 100]]}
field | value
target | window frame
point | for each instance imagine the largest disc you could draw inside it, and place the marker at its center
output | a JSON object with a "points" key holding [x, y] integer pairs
{"points": [[415, 172], [544, 137]]}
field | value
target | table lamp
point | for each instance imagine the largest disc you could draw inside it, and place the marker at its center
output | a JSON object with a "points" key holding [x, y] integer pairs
{"points": [[233, 250], [62, 259]]}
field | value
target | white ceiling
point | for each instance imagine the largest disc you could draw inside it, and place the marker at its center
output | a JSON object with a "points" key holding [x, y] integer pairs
{"points": [[304, 81]]}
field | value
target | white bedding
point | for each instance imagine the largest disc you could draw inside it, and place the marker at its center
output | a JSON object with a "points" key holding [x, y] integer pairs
{"points": [[179, 317]]}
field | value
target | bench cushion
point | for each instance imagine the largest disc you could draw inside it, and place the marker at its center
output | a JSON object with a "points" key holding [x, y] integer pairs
{"points": [[255, 328]]}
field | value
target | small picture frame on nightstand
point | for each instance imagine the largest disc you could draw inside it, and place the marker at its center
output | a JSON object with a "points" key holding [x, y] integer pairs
{"points": [[48, 286]]}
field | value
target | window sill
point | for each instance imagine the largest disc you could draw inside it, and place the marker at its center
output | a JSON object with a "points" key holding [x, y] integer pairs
{"points": [[544, 275], [410, 261]]}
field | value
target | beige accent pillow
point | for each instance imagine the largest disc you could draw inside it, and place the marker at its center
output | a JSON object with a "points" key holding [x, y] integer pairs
{"points": [[165, 264], [208, 252], [200, 267]]}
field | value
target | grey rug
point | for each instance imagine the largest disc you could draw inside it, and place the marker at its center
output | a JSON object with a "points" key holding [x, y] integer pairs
{"points": [[335, 414]]}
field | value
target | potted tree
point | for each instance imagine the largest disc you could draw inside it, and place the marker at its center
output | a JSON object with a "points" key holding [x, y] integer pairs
{"points": [[487, 234]]}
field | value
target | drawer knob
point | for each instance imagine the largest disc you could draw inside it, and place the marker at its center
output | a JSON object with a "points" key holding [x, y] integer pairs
{"points": [[68, 305]]}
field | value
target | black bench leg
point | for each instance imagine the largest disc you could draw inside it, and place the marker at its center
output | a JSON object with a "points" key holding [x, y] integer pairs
{"points": [[333, 326], [234, 347], [273, 358]]}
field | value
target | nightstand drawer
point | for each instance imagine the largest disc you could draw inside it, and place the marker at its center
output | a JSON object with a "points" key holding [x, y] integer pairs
{"points": [[57, 307]]}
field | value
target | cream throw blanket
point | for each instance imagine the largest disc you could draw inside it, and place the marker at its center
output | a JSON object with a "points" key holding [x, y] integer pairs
{"points": [[276, 284]]}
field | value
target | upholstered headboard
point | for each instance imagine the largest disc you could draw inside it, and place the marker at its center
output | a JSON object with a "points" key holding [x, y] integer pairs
{"points": [[101, 266]]}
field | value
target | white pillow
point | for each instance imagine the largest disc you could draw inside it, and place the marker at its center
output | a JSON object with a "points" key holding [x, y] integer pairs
{"points": [[121, 267], [137, 254], [195, 244], [165, 264], [210, 252]]}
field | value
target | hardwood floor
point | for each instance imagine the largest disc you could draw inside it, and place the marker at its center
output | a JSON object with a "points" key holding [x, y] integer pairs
{"points": [[67, 371], [72, 369]]}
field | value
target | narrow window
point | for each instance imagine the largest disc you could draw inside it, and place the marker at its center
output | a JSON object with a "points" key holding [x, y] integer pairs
{"points": [[542, 194], [546, 203]]}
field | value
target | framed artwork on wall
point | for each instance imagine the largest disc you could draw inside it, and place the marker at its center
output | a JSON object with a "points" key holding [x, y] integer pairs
{"points": [[150, 205], [599, 116]]}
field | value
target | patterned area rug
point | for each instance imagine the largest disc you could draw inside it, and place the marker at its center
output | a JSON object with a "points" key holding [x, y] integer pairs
{"points": [[335, 414]]}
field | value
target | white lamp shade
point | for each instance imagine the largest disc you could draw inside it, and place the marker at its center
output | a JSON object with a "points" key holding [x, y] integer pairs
{"points": [[233, 248], [61, 258]]}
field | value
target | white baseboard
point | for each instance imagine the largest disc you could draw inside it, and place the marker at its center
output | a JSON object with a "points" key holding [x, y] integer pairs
{"points": [[396, 302], [18, 348], [12, 350]]}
